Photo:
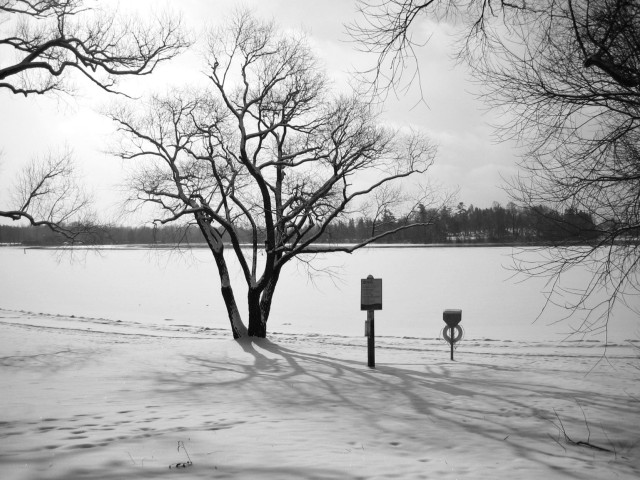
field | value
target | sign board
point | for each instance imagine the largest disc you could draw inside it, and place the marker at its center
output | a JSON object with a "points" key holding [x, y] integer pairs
{"points": [[452, 317], [371, 293]]}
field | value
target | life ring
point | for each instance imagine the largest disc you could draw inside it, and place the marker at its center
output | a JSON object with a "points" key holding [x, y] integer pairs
{"points": [[456, 336]]}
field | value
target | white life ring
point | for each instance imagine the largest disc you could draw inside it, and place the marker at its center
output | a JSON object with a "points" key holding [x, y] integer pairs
{"points": [[456, 336]]}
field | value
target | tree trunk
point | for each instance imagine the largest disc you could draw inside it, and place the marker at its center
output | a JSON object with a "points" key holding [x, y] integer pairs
{"points": [[260, 306], [238, 328], [216, 246], [257, 322], [267, 295]]}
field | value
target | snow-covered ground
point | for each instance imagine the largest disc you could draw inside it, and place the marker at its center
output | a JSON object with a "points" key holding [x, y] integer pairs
{"points": [[102, 399]]}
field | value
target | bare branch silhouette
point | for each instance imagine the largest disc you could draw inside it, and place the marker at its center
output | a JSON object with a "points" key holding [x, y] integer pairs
{"points": [[268, 148]]}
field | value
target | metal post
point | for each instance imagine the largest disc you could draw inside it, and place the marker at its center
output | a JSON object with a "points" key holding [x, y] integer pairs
{"points": [[371, 340], [451, 334]]}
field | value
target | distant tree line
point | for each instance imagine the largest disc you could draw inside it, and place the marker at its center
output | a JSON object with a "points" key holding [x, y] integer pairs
{"points": [[459, 224]]}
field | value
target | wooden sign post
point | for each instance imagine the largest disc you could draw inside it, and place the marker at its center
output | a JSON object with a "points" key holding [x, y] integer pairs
{"points": [[371, 300]]}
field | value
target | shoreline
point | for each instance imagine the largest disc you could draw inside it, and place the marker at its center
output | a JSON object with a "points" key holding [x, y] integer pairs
{"points": [[105, 325], [319, 246]]}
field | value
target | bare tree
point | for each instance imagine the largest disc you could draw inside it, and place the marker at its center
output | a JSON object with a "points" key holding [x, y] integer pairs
{"points": [[51, 37], [268, 149], [47, 193], [386, 28], [566, 74], [48, 39], [575, 93]]}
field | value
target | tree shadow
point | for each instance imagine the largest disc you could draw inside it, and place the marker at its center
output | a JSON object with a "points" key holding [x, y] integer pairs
{"points": [[472, 403], [414, 396]]}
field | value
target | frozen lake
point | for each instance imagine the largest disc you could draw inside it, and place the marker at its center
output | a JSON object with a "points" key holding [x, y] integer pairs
{"points": [[165, 287]]}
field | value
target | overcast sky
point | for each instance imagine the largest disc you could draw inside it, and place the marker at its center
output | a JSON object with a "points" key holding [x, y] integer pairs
{"points": [[469, 158]]}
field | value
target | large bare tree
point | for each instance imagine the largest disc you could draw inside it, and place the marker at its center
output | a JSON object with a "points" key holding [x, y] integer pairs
{"points": [[41, 43], [267, 148], [566, 76]]}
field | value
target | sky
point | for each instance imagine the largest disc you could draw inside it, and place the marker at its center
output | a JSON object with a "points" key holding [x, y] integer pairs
{"points": [[469, 159]]}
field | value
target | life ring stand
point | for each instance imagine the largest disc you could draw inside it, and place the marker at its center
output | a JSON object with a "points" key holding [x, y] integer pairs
{"points": [[456, 336]]}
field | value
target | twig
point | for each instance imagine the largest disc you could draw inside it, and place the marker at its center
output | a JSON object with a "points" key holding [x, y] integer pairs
{"points": [[557, 441], [580, 443], [186, 464], [585, 421]]}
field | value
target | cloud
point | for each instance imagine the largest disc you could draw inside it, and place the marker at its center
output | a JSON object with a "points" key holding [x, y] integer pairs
{"points": [[450, 113]]}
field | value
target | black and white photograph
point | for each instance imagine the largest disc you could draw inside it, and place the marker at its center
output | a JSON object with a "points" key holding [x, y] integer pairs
{"points": [[324, 240]]}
